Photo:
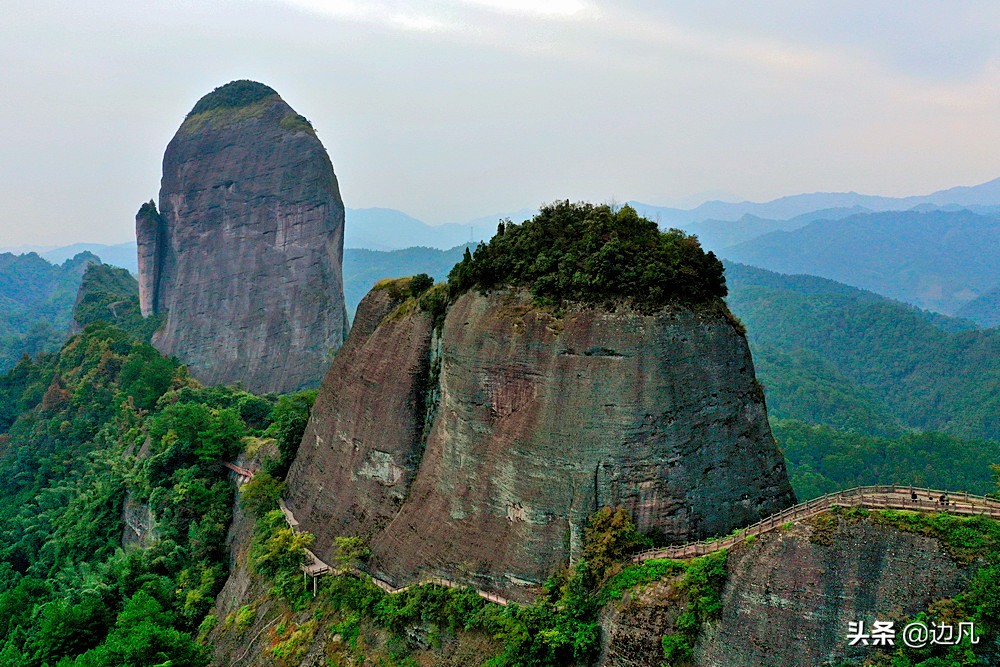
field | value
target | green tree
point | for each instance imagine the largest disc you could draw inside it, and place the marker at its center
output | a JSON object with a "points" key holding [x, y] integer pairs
{"points": [[288, 424], [609, 538], [594, 254], [348, 551], [420, 283], [261, 494]]}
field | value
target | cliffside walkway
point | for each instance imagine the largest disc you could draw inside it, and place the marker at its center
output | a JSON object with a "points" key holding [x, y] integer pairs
{"points": [[243, 475], [314, 567], [867, 497]]}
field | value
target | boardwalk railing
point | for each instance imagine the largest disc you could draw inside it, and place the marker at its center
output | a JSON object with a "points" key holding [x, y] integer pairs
{"points": [[244, 474], [869, 497], [314, 567]]}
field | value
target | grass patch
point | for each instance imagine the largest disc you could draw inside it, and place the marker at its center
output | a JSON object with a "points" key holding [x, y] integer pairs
{"points": [[294, 122], [222, 116], [639, 574], [965, 538]]}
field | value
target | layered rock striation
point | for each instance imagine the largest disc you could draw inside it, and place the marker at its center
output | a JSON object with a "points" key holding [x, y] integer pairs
{"points": [[478, 449], [244, 253]]}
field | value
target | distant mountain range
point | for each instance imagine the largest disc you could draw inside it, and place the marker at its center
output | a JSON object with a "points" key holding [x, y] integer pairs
{"points": [[934, 251], [36, 298], [936, 260], [983, 198], [389, 229], [120, 254]]}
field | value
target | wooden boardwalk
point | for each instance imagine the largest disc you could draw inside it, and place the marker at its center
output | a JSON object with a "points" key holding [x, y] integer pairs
{"points": [[867, 497], [243, 475], [314, 567]]}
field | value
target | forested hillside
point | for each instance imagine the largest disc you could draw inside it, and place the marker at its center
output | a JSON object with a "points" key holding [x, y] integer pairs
{"points": [[938, 260], [822, 459], [835, 355], [36, 299], [110, 294], [984, 309], [106, 420], [865, 390]]}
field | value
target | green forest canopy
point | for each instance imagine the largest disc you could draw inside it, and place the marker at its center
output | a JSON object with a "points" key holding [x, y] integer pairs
{"points": [[36, 299], [71, 427], [593, 254], [832, 354]]}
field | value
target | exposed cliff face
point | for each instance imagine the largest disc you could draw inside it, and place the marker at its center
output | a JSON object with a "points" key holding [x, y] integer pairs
{"points": [[361, 448], [790, 596], [539, 421], [245, 252]]}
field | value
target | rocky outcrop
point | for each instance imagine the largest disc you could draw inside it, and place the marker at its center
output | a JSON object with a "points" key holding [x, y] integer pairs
{"points": [[790, 596], [139, 524], [361, 448], [480, 451], [244, 254]]}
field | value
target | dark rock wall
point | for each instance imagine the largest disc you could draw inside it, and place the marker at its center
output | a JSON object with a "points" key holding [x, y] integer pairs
{"points": [[789, 599], [540, 421], [361, 447], [151, 243], [245, 252]]}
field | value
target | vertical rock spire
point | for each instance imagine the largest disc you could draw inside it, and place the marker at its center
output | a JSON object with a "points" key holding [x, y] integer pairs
{"points": [[244, 255]]}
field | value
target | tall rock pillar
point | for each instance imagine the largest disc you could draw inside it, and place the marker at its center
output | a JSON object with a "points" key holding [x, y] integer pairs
{"points": [[244, 255]]}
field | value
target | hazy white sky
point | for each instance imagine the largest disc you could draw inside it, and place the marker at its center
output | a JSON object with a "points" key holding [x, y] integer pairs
{"points": [[453, 109]]}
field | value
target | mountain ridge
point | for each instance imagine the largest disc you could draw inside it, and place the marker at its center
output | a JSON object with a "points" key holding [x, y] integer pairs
{"points": [[937, 260], [786, 207]]}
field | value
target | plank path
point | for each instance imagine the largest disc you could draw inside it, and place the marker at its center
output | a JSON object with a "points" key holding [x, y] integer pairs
{"points": [[866, 497]]}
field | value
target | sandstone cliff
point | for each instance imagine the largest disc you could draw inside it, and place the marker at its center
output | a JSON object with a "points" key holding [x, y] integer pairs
{"points": [[244, 254], [478, 451], [361, 449], [790, 595]]}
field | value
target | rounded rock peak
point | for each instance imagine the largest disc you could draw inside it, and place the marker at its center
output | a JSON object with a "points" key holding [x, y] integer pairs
{"points": [[233, 95]]}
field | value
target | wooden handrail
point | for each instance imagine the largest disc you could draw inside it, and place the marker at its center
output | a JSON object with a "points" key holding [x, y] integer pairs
{"points": [[877, 497], [315, 567]]}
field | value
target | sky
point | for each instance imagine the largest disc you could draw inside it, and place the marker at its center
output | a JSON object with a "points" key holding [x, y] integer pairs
{"points": [[455, 109]]}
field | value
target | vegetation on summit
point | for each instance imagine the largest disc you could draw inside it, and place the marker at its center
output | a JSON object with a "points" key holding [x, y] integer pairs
{"points": [[593, 254], [233, 95]]}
